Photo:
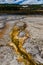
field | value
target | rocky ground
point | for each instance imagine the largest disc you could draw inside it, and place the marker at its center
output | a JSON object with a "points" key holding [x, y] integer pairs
{"points": [[33, 45]]}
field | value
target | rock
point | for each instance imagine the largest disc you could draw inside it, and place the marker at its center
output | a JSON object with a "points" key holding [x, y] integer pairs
{"points": [[39, 59], [33, 45], [6, 55], [42, 54], [21, 34], [21, 25]]}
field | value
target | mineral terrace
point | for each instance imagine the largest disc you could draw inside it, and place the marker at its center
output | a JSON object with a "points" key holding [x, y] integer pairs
{"points": [[33, 45]]}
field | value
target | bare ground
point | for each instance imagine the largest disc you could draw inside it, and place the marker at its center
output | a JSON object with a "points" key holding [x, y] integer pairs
{"points": [[34, 45]]}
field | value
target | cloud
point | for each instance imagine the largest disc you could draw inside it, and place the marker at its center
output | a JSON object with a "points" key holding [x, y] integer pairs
{"points": [[22, 1]]}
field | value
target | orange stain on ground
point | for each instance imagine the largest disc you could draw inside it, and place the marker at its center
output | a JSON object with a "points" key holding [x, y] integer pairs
{"points": [[3, 31]]}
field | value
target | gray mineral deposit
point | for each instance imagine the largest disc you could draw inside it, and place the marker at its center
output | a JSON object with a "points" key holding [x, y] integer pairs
{"points": [[33, 45]]}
